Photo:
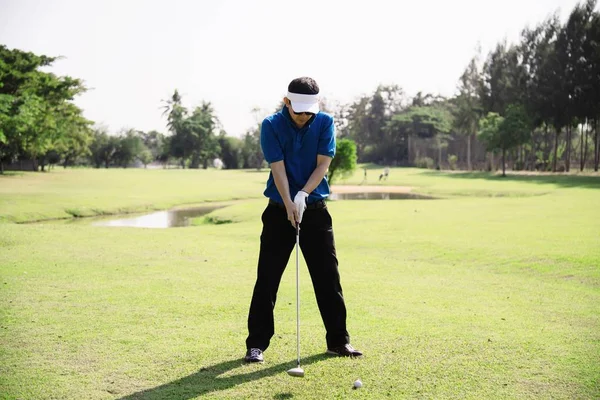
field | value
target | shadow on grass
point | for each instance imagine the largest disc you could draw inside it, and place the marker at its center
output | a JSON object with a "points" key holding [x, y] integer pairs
{"points": [[208, 379], [570, 181], [12, 173]]}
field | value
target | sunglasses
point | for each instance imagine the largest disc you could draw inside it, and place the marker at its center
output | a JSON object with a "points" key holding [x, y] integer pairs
{"points": [[303, 113]]}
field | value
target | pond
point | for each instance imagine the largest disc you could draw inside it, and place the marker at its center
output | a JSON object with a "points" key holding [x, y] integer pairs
{"points": [[379, 196], [161, 219], [183, 217]]}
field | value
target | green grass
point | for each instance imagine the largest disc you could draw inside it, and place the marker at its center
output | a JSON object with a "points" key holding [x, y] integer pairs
{"points": [[83, 193], [490, 291]]}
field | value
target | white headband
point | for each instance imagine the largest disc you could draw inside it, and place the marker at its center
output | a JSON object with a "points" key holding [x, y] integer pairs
{"points": [[303, 98]]}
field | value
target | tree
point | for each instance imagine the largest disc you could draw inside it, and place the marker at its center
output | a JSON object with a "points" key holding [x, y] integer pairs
{"points": [[193, 136], [514, 130], [174, 111], [71, 138], [532, 48], [489, 128], [366, 123], [102, 148], [128, 147], [356, 117], [18, 74], [495, 80], [154, 142], [35, 106], [202, 140], [505, 133], [591, 75], [344, 162], [538, 47], [231, 151], [176, 122], [165, 151], [468, 108], [145, 156], [553, 85], [432, 123], [73, 144], [251, 150]]}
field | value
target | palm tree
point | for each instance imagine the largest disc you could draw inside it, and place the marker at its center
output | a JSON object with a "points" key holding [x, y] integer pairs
{"points": [[174, 111]]}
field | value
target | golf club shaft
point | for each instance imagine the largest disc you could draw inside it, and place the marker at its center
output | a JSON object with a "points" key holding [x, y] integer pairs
{"points": [[298, 292]]}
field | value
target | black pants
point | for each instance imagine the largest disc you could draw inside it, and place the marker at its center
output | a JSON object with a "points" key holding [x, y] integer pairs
{"points": [[277, 241]]}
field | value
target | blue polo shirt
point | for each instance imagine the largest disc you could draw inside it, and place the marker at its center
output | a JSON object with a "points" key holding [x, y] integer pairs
{"points": [[281, 139]]}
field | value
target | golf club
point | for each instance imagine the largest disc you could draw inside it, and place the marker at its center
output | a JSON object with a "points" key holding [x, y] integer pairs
{"points": [[297, 372]]}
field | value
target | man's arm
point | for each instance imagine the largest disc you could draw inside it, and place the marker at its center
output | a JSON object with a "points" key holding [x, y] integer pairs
{"points": [[318, 174], [283, 187]]}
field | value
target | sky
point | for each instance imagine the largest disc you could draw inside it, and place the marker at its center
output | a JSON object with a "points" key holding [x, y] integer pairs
{"points": [[240, 55]]}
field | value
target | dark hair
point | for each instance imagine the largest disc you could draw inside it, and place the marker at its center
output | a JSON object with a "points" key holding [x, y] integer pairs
{"points": [[303, 85]]}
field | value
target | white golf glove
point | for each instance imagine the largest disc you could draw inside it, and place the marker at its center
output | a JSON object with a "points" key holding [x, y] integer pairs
{"points": [[300, 202]]}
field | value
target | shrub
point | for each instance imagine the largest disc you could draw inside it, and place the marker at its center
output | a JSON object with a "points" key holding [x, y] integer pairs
{"points": [[424, 162], [452, 160]]}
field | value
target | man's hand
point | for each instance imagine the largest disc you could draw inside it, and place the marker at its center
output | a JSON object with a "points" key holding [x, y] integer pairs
{"points": [[300, 202], [292, 212]]}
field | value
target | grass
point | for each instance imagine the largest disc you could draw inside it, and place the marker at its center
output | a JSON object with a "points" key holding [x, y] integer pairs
{"points": [[491, 291], [91, 192]]}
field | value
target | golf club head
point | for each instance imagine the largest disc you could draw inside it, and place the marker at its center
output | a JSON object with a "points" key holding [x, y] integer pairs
{"points": [[297, 372]]}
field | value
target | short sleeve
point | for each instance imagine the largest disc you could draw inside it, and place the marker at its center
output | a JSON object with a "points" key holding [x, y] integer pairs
{"points": [[327, 139], [268, 142]]}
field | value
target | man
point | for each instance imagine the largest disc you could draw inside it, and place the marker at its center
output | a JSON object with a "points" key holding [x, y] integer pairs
{"points": [[298, 142], [384, 174]]}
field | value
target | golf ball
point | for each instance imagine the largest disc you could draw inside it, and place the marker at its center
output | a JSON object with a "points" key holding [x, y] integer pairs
{"points": [[357, 383]]}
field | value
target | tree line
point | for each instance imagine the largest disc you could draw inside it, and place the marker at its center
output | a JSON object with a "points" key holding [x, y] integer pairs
{"points": [[532, 105], [40, 126]]}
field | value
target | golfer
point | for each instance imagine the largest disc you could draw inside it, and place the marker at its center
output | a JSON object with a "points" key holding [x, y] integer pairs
{"points": [[298, 142]]}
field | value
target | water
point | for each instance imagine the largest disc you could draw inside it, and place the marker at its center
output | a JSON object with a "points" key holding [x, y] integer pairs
{"points": [[378, 196], [182, 217], [160, 219]]}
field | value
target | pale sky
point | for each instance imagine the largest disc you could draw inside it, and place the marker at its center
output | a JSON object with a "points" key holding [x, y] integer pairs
{"points": [[242, 54]]}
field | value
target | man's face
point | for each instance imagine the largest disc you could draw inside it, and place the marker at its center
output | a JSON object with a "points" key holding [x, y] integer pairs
{"points": [[299, 119]]}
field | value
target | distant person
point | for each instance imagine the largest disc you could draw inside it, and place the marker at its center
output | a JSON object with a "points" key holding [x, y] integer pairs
{"points": [[364, 176], [298, 143], [384, 174]]}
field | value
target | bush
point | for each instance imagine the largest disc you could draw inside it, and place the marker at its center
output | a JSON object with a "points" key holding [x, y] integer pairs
{"points": [[344, 162], [452, 160], [424, 162]]}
